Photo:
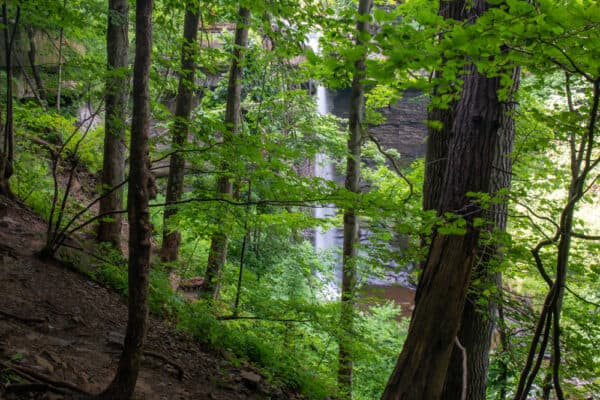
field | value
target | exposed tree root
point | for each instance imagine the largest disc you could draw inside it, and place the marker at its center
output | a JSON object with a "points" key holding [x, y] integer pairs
{"points": [[161, 357], [32, 375], [166, 360]]}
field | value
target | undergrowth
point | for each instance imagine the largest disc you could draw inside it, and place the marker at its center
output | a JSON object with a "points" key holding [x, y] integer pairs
{"points": [[293, 341]]}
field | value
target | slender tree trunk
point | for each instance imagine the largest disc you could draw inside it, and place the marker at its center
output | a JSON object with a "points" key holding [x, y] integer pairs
{"points": [[218, 246], [422, 366], [117, 82], [61, 37], [582, 164], [7, 150], [351, 224], [140, 231], [180, 129], [34, 69]]}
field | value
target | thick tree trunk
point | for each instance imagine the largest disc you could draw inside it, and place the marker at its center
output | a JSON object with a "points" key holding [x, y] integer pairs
{"points": [[478, 322], [180, 129], [421, 369], [140, 231], [218, 247], [351, 224], [117, 82], [438, 138]]}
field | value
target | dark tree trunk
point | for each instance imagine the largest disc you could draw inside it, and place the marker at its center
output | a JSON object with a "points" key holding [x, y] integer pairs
{"points": [[438, 138], [180, 129], [31, 54], [113, 166], [61, 38], [140, 231], [218, 246], [356, 139], [421, 369], [7, 150], [478, 322]]}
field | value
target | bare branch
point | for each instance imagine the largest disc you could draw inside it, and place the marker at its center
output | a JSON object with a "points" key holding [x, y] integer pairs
{"points": [[169, 154], [581, 297], [234, 317], [463, 395], [584, 236], [394, 165]]}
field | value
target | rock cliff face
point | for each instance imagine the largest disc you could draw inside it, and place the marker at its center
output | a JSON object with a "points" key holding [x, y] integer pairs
{"points": [[404, 129]]}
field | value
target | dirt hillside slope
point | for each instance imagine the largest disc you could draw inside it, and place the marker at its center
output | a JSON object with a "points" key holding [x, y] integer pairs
{"points": [[58, 330]]}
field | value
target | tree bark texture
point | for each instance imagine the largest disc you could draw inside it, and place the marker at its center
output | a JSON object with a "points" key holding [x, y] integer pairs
{"points": [[478, 321], [180, 130], [218, 247], [140, 231], [422, 365], [436, 153], [356, 139], [117, 83]]}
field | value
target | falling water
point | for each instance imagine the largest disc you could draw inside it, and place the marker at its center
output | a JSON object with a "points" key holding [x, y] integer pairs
{"points": [[324, 167], [87, 119], [395, 284]]}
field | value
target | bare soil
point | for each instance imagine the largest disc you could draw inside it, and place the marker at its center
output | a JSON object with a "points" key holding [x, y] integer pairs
{"points": [[60, 331]]}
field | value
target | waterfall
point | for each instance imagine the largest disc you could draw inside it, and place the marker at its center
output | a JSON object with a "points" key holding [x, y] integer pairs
{"points": [[324, 167], [86, 118], [395, 284]]}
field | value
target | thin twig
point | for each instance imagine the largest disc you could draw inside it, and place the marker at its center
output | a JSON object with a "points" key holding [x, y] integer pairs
{"points": [[169, 154], [394, 164], [581, 297], [234, 317], [463, 394]]}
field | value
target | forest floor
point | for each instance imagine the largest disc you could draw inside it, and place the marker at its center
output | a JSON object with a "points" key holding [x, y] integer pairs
{"points": [[61, 331]]}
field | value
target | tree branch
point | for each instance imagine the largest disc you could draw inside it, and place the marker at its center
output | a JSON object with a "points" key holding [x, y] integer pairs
{"points": [[234, 317], [394, 165]]}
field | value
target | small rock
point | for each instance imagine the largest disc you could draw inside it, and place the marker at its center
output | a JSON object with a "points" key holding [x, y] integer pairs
{"points": [[115, 338], [7, 222], [45, 364], [251, 379], [57, 341]]}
